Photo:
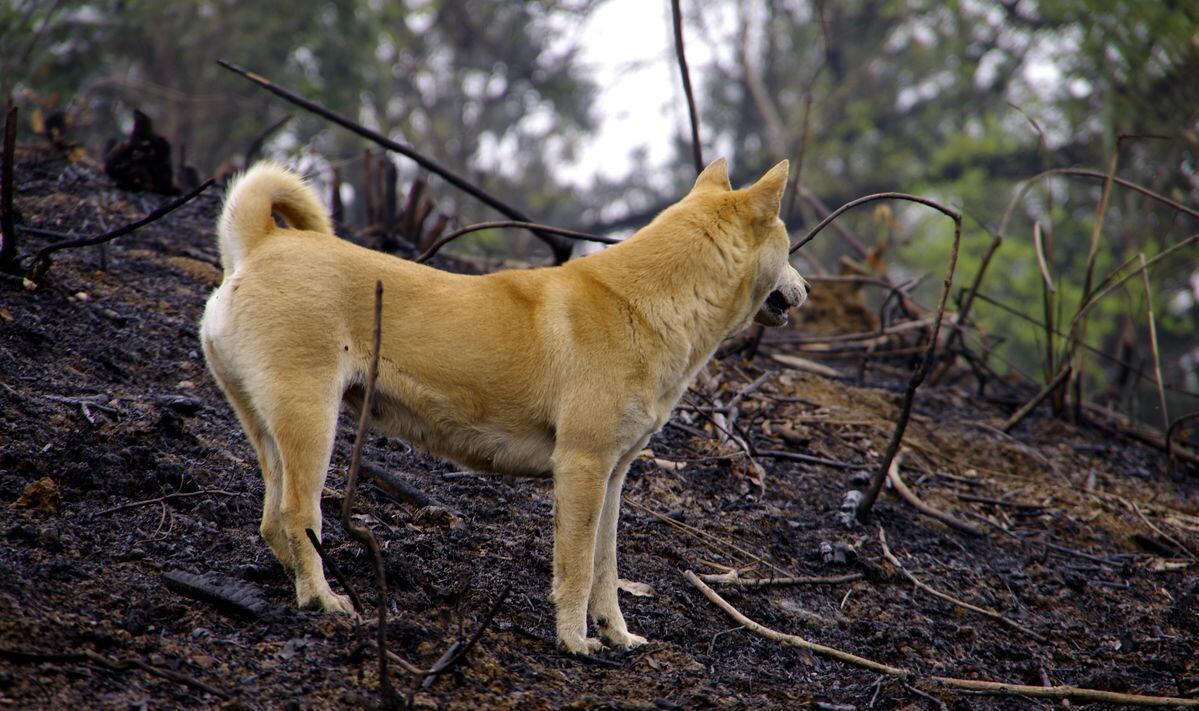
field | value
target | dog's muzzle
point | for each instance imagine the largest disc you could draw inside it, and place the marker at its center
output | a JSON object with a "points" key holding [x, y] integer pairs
{"points": [[780, 301]]}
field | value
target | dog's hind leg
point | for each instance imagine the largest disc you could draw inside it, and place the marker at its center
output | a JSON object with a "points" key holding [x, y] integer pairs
{"points": [[604, 605], [264, 446], [580, 478], [303, 423]]}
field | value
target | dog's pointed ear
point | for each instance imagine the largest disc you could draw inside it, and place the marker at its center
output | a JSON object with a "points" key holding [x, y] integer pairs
{"points": [[766, 195], [716, 175]]}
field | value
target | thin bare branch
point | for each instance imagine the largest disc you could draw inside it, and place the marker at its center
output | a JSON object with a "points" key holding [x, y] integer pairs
{"points": [[40, 262], [882, 539], [1019, 415], [921, 370], [560, 249], [909, 496], [360, 532], [696, 151], [995, 687], [497, 224], [1153, 347]]}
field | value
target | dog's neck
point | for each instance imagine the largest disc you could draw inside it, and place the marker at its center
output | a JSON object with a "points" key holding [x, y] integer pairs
{"points": [[695, 286]]}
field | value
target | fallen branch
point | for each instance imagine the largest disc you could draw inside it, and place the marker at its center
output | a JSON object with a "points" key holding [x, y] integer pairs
{"points": [[1174, 426], [168, 497], [21, 656], [709, 538], [1153, 347], [882, 539], [560, 249], [40, 262], [998, 687], [732, 579], [532, 226], [360, 532], [909, 496], [789, 639], [696, 152], [809, 459], [233, 596], [1027, 408]]}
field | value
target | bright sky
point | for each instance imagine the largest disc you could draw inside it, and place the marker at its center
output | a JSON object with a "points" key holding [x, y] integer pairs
{"points": [[628, 47]]}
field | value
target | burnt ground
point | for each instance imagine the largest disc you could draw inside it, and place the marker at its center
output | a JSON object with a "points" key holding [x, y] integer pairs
{"points": [[105, 401]]}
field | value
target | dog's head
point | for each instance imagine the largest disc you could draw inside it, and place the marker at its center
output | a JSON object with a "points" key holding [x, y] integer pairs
{"points": [[773, 285]]}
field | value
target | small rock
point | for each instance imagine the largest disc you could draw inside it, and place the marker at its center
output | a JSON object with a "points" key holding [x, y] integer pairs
{"points": [[41, 495]]}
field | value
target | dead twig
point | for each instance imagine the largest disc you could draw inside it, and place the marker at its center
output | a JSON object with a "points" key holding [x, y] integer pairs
{"points": [[1019, 415], [168, 497], [909, 496], [733, 580], [997, 687], [360, 532], [809, 459], [882, 539], [335, 569], [921, 370], [710, 539], [22, 656], [40, 262], [8, 233], [497, 224], [696, 152], [789, 639], [560, 249], [1153, 347], [1174, 426], [256, 145]]}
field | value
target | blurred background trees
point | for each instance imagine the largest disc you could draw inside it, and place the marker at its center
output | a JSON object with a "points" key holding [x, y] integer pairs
{"points": [[959, 100]]}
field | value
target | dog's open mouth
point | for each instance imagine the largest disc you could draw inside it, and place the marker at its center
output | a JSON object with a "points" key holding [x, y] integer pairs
{"points": [[774, 310]]}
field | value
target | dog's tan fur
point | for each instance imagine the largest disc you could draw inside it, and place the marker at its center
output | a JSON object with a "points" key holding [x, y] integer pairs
{"points": [[562, 371]]}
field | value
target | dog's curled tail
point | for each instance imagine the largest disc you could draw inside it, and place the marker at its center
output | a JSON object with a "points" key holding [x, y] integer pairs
{"points": [[250, 200]]}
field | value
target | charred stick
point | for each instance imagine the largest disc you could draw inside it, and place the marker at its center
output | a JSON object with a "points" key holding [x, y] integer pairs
{"points": [[41, 261], [696, 152], [1174, 426], [1153, 347], [168, 497], [909, 496], [255, 146], [335, 569], [360, 532], [882, 539], [736, 581], [560, 249], [8, 234], [26, 657], [497, 224], [922, 369]]}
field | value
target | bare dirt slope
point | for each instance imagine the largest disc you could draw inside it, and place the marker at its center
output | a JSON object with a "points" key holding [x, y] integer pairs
{"points": [[104, 401]]}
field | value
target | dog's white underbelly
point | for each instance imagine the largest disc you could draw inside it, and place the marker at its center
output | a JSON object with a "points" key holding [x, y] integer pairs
{"points": [[474, 443]]}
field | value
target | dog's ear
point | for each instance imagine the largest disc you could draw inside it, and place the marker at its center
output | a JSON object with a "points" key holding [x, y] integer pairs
{"points": [[765, 197], [716, 175]]}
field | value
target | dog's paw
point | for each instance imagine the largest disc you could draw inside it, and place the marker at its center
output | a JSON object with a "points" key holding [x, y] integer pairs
{"points": [[581, 645], [623, 638], [326, 600]]}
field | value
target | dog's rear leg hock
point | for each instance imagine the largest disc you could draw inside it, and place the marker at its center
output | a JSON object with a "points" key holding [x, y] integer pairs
{"points": [[305, 448], [580, 479]]}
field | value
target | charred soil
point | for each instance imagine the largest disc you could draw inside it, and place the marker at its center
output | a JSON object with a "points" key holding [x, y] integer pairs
{"points": [[105, 402]]}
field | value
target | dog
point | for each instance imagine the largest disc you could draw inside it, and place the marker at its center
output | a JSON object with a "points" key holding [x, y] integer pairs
{"points": [[560, 372]]}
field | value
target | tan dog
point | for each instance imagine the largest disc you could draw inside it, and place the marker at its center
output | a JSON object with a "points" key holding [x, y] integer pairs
{"points": [[562, 371]]}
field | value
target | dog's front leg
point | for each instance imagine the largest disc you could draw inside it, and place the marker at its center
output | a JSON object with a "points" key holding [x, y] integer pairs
{"points": [[580, 479], [604, 604]]}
